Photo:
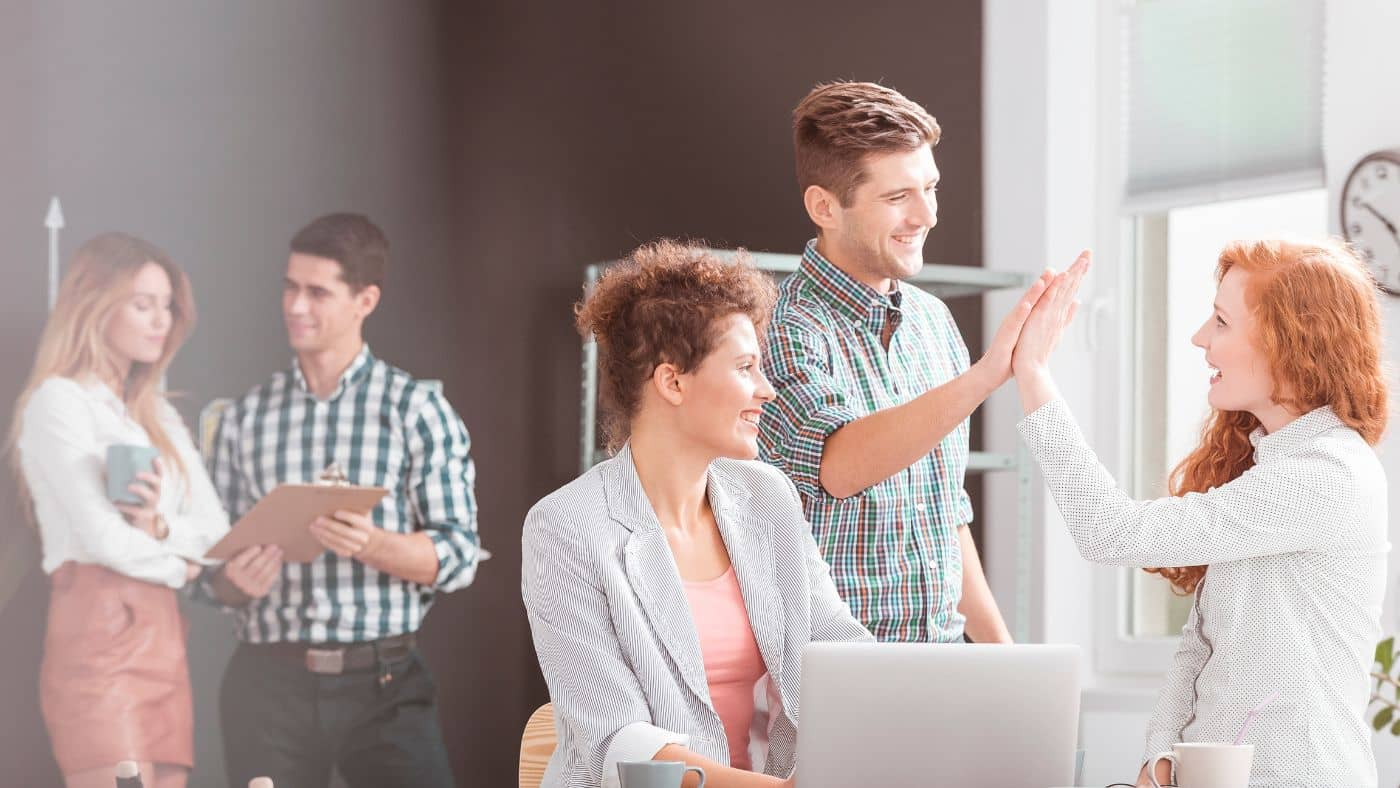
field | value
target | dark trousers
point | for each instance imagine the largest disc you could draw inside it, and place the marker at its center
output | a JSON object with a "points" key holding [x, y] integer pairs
{"points": [[282, 721]]}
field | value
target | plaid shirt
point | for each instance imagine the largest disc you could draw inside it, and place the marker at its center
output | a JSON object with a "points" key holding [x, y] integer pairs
{"points": [[893, 548], [384, 429]]}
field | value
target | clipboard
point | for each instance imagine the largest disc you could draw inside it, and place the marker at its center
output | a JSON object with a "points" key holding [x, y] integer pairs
{"points": [[283, 517]]}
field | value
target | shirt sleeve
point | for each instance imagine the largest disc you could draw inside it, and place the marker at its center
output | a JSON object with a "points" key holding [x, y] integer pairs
{"points": [[596, 696], [956, 350], [442, 483], [225, 479], [808, 407], [832, 620], [194, 511], [1281, 507], [1176, 701], [64, 467], [225, 474]]}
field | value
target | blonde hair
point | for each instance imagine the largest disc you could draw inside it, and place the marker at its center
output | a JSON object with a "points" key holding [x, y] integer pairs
{"points": [[73, 343]]}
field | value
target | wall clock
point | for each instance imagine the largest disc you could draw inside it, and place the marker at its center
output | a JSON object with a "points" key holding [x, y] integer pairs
{"points": [[1370, 214]]}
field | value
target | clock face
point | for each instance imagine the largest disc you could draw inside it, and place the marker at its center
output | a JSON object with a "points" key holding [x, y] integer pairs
{"points": [[1371, 215]]}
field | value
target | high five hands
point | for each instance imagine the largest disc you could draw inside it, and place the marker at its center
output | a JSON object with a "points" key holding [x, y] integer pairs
{"points": [[1028, 336], [1041, 332]]}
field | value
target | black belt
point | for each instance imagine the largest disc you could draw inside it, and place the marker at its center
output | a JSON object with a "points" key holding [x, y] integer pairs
{"points": [[336, 658]]}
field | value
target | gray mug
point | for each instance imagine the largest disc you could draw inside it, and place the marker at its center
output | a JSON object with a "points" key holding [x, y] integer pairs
{"points": [[656, 774], [124, 461]]}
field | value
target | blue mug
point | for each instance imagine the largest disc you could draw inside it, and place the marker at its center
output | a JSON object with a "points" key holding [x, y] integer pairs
{"points": [[656, 774], [124, 461]]}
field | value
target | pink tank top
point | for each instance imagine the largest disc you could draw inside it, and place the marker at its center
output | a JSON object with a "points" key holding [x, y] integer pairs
{"points": [[733, 664]]}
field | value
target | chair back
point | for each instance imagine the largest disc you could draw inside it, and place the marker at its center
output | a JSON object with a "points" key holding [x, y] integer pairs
{"points": [[536, 746]]}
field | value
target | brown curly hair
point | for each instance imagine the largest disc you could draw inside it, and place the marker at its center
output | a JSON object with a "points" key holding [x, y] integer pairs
{"points": [[838, 123], [660, 305], [1318, 323]]}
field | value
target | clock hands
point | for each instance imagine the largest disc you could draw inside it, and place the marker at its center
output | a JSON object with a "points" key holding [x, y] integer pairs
{"points": [[1389, 225]]}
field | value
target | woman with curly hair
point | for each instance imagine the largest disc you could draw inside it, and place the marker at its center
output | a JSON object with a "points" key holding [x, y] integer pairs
{"points": [[1276, 521], [669, 583]]}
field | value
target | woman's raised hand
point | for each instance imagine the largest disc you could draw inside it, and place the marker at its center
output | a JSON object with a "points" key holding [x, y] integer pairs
{"points": [[1046, 324]]}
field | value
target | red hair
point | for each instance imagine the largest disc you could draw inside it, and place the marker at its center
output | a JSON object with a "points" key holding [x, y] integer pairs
{"points": [[1318, 324]]}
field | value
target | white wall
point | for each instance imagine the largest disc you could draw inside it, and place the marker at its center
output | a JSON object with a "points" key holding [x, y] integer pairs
{"points": [[1362, 115], [216, 130], [1045, 191], [1042, 202]]}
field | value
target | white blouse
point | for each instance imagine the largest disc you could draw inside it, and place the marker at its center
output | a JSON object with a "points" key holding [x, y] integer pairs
{"points": [[65, 430], [1290, 603]]}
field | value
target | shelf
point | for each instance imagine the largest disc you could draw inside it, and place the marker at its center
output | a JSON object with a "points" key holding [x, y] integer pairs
{"points": [[979, 461], [946, 281]]}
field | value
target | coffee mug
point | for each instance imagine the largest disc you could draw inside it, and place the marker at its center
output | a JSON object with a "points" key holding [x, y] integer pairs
{"points": [[1206, 765], [656, 774], [124, 461]]}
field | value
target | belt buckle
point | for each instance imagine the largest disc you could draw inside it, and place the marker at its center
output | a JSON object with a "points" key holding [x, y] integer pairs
{"points": [[325, 660]]}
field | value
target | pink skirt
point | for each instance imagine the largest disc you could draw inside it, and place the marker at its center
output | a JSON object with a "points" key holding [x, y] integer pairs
{"points": [[115, 681]]}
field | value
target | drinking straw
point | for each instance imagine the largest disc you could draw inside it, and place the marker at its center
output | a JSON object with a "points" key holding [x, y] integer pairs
{"points": [[1249, 718]]}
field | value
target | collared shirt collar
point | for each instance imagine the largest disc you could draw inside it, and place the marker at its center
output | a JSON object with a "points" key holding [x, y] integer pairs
{"points": [[353, 374], [1294, 434], [856, 300]]}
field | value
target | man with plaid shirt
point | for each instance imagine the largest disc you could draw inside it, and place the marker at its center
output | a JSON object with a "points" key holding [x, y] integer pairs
{"points": [[874, 385], [327, 672]]}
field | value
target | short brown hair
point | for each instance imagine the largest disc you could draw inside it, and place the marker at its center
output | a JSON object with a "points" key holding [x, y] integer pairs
{"points": [[352, 240], [660, 305], [839, 123]]}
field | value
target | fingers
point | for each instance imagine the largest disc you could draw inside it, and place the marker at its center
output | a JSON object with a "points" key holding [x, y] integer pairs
{"points": [[243, 559], [150, 479], [149, 497], [1076, 274], [267, 557], [265, 572], [344, 540], [354, 519], [1035, 294], [254, 570], [1037, 288]]}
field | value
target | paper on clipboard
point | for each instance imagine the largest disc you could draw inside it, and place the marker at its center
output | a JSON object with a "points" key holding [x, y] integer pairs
{"points": [[283, 517]]}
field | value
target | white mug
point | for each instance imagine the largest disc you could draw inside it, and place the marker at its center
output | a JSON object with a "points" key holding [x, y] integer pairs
{"points": [[1206, 765]]}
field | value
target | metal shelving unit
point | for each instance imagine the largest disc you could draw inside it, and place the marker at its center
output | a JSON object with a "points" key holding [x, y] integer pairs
{"points": [[944, 281]]}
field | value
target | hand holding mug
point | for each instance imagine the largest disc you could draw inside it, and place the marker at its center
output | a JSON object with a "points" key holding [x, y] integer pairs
{"points": [[656, 774], [145, 488]]}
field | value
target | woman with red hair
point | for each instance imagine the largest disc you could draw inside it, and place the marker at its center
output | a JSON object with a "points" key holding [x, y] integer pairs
{"points": [[1276, 522]]}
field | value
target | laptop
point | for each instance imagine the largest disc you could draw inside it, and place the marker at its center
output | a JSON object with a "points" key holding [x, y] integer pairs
{"points": [[956, 715]]}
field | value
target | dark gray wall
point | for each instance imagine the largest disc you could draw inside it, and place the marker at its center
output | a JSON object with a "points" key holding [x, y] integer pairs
{"points": [[216, 130], [587, 128], [502, 146]]}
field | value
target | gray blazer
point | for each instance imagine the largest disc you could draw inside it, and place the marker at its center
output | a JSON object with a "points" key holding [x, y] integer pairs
{"points": [[613, 629]]}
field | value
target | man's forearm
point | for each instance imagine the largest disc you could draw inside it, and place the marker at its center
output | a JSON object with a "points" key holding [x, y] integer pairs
{"points": [[410, 557], [978, 606], [873, 448]]}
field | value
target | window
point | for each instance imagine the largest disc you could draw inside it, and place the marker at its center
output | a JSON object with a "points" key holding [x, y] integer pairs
{"points": [[1176, 252]]}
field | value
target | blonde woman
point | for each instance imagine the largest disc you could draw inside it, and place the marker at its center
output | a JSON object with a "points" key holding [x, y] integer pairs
{"points": [[114, 684]]}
